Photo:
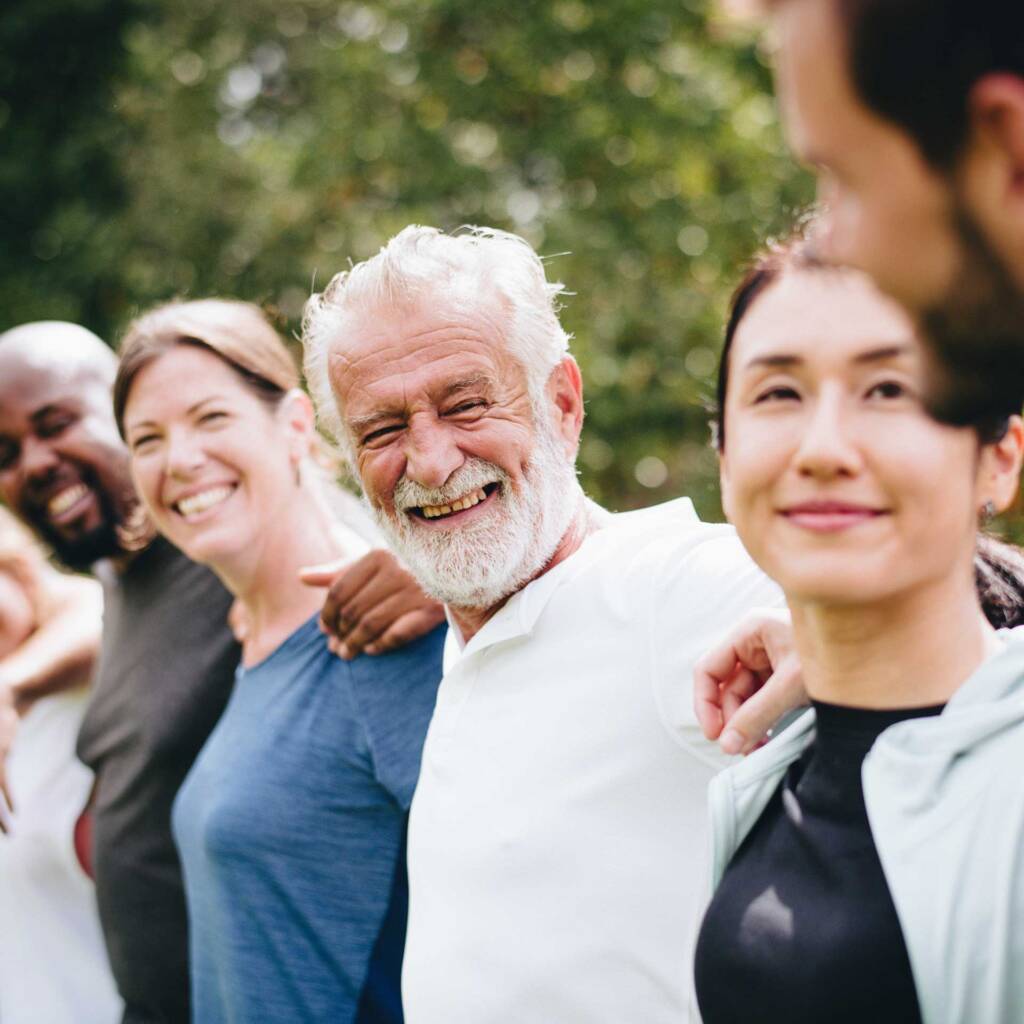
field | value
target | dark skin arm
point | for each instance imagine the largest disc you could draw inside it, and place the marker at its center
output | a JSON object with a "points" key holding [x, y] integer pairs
{"points": [[373, 605], [59, 655]]}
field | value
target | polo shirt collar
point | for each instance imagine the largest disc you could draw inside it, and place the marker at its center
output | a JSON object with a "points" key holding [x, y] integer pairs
{"points": [[517, 617]]}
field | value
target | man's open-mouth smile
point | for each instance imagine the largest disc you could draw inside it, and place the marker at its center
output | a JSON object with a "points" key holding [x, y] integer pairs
{"points": [[472, 499]]}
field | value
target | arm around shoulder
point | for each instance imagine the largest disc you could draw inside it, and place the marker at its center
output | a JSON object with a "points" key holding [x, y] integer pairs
{"points": [[61, 652]]}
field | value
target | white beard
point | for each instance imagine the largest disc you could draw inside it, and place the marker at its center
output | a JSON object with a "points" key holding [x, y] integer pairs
{"points": [[480, 564]]}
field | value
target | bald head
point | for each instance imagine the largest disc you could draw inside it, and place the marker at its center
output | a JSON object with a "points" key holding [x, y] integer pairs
{"points": [[58, 347], [63, 466]]}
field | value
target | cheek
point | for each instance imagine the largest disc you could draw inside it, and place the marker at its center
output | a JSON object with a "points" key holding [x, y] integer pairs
{"points": [[145, 478], [379, 472]]}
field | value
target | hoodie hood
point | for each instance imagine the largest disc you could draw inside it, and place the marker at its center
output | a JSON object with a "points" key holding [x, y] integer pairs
{"points": [[988, 702]]}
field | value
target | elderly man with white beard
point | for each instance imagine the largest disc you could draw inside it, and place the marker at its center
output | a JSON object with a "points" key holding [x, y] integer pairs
{"points": [[557, 834]]}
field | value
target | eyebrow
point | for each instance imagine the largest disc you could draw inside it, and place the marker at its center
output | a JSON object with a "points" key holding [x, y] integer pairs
{"points": [[361, 424], [783, 360], [47, 410], [188, 412]]}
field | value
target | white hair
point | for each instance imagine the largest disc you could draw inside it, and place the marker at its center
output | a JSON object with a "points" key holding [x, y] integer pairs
{"points": [[411, 266]]}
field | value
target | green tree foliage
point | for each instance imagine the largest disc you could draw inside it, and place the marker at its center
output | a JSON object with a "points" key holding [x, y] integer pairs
{"points": [[195, 147]]}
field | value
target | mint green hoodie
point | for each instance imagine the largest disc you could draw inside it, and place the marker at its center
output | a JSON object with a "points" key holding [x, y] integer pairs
{"points": [[945, 799]]}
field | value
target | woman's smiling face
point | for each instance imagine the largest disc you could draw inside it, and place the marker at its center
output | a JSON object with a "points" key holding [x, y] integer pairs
{"points": [[212, 461], [839, 484]]}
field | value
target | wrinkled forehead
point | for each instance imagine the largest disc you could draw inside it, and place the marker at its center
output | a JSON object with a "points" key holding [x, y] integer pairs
{"points": [[421, 338]]}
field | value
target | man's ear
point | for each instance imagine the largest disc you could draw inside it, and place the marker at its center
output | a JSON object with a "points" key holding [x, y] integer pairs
{"points": [[565, 389], [295, 414], [999, 468], [991, 170]]}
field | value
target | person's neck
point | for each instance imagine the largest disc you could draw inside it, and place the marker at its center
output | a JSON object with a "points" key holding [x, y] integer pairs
{"points": [[265, 581], [588, 518], [909, 651]]}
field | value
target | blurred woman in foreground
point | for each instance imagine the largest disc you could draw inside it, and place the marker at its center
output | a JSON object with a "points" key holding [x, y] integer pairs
{"points": [[868, 862], [291, 823], [53, 964]]}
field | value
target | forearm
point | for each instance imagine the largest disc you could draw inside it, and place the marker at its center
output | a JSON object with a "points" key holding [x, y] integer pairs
{"points": [[61, 653]]}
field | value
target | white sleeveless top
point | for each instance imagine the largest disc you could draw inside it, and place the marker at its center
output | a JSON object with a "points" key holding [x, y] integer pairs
{"points": [[53, 965]]}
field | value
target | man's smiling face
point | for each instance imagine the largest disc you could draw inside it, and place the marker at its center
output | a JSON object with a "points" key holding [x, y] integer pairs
{"points": [[63, 467], [471, 485]]}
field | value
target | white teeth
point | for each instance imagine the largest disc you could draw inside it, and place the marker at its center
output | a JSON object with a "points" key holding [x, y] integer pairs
{"points": [[196, 503], [62, 501], [433, 511]]}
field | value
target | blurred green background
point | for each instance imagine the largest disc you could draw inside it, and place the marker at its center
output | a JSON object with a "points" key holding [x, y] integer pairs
{"points": [[161, 148]]}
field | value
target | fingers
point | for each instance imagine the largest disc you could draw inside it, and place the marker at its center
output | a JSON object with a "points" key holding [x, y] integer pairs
{"points": [[743, 685], [740, 659], [407, 628], [353, 591], [747, 723], [323, 575], [746, 645], [375, 601], [373, 624], [707, 697], [732, 671]]}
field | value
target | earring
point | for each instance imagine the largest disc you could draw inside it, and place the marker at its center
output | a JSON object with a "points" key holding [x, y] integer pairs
{"points": [[988, 511]]}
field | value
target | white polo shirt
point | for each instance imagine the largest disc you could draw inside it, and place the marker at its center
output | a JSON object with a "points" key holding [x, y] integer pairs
{"points": [[557, 839]]}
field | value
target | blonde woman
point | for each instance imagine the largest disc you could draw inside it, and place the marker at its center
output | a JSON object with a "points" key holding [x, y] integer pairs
{"points": [[291, 823]]}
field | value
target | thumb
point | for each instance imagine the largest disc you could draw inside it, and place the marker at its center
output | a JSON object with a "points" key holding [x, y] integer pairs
{"points": [[750, 723], [322, 575]]}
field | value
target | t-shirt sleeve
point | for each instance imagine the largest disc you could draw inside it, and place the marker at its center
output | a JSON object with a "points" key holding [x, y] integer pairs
{"points": [[701, 592], [394, 695]]}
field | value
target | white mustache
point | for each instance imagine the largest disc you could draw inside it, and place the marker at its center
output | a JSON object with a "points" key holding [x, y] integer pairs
{"points": [[471, 476]]}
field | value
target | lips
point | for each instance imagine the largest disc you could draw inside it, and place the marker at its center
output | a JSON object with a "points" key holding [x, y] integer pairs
{"points": [[197, 502], [65, 502], [451, 508], [830, 516]]}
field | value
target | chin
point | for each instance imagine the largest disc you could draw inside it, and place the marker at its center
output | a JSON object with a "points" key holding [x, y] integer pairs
{"points": [[839, 589], [204, 550], [833, 577]]}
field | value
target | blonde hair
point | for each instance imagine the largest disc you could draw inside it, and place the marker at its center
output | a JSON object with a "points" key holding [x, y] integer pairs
{"points": [[241, 335]]}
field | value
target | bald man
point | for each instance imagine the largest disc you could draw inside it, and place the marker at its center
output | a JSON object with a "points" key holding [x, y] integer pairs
{"points": [[168, 658]]}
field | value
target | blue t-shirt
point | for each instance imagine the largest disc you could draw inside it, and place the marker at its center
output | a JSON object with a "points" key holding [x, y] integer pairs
{"points": [[291, 829]]}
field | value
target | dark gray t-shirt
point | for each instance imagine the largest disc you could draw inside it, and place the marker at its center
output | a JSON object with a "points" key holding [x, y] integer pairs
{"points": [[165, 673]]}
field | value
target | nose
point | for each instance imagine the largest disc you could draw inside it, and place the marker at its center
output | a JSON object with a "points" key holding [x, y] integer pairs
{"points": [[38, 459], [827, 447], [183, 454], [431, 455]]}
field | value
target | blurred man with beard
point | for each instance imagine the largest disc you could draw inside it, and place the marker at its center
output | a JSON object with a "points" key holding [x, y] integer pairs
{"points": [[912, 112], [168, 658], [556, 838]]}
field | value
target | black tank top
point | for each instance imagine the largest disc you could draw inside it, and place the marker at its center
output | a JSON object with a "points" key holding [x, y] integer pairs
{"points": [[802, 928]]}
